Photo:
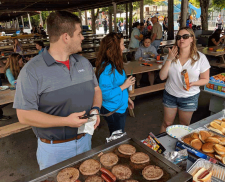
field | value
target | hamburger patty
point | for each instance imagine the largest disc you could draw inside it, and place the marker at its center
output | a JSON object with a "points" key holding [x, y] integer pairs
{"points": [[94, 179], [90, 167], [68, 174], [121, 172], [152, 172], [109, 159], [127, 149], [139, 158]]}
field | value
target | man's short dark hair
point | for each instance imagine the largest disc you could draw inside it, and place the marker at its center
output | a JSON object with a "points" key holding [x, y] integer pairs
{"points": [[60, 22]]}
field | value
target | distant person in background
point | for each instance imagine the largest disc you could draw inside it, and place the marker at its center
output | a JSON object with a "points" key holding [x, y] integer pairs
{"points": [[148, 22], [34, 30], [40, 46], [119, 26], [156, 33], [17, 47], [165, 24], [97, 24], [105, 24], [143, 29], [135, 36], [124, 24], [215, 39], [146, 51], [190, 23], [219, 22], [13, 67]]}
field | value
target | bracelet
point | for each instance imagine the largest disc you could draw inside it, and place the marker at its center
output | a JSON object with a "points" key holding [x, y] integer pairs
{"points": [[169, 60]]}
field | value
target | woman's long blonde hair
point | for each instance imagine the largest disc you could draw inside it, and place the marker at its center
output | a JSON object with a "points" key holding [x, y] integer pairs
{"points": [[13, 64], [194, 55]]}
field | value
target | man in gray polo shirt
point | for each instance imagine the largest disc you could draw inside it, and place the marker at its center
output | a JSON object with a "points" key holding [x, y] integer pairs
{"points": [[54, 89]]}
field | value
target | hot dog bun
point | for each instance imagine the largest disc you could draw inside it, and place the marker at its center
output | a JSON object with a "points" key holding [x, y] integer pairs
{"points": [[216, 130], [217, 126], [200, 173]]}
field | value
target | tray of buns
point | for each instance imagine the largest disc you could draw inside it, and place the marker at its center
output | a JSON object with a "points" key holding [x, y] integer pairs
{"points": [[217, 125], [216, 173], [125, 159], [206, 142]]}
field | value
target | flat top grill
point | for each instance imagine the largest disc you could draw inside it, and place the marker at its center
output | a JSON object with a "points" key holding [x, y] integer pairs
{"points": [[171, 171]]}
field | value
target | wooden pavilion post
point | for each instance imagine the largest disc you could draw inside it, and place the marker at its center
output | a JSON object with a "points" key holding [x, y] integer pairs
{"points": [[41, 21], [170, 20], [28, 15], [114, 10], [86, 21], [184, 10], [93, 21], [110, 19], [17, 23], [127, 19], [22, 21], [130, 18], [80, 15], [141, 11]]}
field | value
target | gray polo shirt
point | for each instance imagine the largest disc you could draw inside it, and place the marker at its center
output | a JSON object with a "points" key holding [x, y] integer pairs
{"points": [[48, 86]]}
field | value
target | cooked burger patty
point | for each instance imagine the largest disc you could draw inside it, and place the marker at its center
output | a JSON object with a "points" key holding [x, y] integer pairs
{"points": [[139, 158], [109, 159], [121, 172], [127, 149], [90, 167], [94, 179], [152, 172], [68, 175]]}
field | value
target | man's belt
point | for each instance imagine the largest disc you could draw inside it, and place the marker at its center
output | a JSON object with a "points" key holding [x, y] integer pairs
{"points": [[62, 141]]}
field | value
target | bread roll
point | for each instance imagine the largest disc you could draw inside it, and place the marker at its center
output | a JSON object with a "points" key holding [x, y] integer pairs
{"points": [[188, 140], [221, 158], [222, 141], [203, 135], [197, 144], [212, 140], [223, 119], [217, 121], [208, 148], [195, 135]]}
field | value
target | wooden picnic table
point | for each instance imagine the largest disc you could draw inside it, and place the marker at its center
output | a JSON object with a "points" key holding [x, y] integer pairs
{"points": [[219, 54], [29, 45], [7, 96]]}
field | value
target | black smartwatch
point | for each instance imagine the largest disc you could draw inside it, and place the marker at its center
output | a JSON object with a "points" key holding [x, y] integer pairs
{"points": [[95, 107]]}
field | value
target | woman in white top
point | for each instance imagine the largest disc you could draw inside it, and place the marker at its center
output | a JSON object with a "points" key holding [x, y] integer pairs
{"points": [[184, 55]]}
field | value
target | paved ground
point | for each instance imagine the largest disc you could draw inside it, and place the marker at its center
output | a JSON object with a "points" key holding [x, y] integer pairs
{"points": [[18, 151]]}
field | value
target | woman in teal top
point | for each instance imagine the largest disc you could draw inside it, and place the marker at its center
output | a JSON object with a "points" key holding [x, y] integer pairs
{"points": [[40, 46], [113, 81], [13, 67]]}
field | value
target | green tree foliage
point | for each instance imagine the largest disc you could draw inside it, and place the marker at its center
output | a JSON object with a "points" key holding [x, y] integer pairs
{"points": [[218, 4]]}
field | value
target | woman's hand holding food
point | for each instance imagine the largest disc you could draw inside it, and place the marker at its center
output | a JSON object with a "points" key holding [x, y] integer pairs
{"points": [[172, 53], [129, 81]]}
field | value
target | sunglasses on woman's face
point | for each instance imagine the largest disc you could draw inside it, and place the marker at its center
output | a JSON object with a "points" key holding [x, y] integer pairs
{"points": [[185, 36]]}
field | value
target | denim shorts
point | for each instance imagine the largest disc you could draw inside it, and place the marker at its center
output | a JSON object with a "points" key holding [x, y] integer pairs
{"points": [[184, 104]]}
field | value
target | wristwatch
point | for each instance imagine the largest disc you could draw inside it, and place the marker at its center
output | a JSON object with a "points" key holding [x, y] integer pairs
{"points": [[97, 108]]}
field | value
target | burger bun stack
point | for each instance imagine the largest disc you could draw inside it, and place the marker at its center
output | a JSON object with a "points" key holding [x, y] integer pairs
{"points": [[218, 126]]}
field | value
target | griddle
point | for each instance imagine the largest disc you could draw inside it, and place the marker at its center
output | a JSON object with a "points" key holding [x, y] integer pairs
{"points": [[172, 173]]}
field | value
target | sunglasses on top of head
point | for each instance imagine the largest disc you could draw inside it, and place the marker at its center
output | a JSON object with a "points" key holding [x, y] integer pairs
{"points": [[185, 36]]}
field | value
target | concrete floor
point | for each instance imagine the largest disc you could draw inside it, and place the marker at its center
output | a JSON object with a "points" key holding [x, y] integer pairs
{"points": [[18, 151]]}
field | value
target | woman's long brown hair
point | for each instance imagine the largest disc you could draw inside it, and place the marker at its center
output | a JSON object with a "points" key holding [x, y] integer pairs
{"points": [[13, 64], [110, 53], [194, 55]]}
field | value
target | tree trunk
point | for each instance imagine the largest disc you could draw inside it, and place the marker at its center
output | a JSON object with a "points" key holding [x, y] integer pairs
{"points": [[184, 10], [115, 23], [204, 4], [127, 23]]}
